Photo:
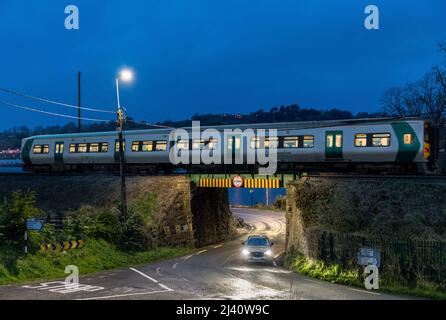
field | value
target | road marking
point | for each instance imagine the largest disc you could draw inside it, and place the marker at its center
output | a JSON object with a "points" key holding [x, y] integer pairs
{"points": [[125, 295], [144, 275], [200, 252], [219, 246], [62, 287], [158, 271], [188, 257], [164, 287], [363, 291], [175, 266]]}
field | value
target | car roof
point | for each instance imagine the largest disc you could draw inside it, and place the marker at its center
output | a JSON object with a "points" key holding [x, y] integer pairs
{"points": [[258, 236]]}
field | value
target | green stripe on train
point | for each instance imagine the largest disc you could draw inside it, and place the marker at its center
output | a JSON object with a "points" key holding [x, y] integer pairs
{"points": [[26, 151], [406, 152]]}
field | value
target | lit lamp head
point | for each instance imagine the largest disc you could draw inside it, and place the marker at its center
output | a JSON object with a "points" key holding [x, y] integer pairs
{"points": [[126, 75]]}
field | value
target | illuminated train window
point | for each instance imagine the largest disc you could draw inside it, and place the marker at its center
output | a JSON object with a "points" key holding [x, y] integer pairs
{"points": [[408, 138], [372, 140], [291, 142], [381, 139], [161, 146], [360, 140], [41, 149]]}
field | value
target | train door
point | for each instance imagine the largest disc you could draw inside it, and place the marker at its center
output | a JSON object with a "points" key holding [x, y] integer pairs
{"points": [[233, 149], [333, 145], [117, 150], [58, 152]]}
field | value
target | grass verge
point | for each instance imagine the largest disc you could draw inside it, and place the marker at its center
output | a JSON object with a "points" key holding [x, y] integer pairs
{"points": [[335, 274], [98, 255]]}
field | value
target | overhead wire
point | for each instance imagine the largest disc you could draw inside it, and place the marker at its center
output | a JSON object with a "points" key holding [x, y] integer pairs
{"points": [[54, 102], [52, 113]]}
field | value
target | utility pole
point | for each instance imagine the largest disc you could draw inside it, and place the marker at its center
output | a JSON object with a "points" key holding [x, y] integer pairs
{"points": [[121, 157], [79, 101]]}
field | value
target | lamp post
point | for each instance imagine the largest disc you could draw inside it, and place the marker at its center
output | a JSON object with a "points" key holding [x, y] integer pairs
{"points": [[124, 75]]}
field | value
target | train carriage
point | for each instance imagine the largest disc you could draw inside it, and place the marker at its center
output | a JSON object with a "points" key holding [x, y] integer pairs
{"points": [[365, 144]]}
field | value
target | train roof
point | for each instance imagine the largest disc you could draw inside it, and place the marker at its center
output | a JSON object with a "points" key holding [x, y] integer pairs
{"points": [[273, 125]]}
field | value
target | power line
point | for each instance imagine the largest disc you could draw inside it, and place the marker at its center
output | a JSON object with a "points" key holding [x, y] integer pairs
{"points": [[51, 113], [149, 124], [54, 102]]}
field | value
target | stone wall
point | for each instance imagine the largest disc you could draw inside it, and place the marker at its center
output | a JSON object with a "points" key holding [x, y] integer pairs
{"points": [[177, 213], [375, 207]]}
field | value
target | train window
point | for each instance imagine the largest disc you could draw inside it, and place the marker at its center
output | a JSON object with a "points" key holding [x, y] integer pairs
{"points": [[161, 146], [59, 148], [308, 142], [330, 141], [339, 141], [135, 146], [94, 148], [37, 149], [82, 148], [103, 147], [360, 140], [183, 145], [198, 144], [408, 138], [147, 146], [271, 142], [291, 142], [117, 149], [72, 148], [41, 149], [212, 144], [381, 139], [255, 143]]}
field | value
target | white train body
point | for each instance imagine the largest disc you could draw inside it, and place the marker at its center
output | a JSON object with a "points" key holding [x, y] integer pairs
{"points": [[399, 143]]}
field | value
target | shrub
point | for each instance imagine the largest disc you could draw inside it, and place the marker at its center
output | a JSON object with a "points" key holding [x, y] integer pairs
{"points": [[14, 211]]}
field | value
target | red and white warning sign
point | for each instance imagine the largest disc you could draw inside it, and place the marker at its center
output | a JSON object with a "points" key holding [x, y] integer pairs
{"points": [[238, 182]]}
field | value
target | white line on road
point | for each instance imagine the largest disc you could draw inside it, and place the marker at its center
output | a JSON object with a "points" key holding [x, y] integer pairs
{"points": [[219, 246], [158, 271], [144, 275], [124, 295], [363, 291], [188, 257], [202, 251], [175, 266], [164, 287]]}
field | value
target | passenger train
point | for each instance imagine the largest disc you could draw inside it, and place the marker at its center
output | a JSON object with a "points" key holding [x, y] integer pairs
{"points": [[362, 145]]}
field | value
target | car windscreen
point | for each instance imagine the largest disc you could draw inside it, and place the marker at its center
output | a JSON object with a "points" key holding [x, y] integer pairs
{"points": [[258, 242]]}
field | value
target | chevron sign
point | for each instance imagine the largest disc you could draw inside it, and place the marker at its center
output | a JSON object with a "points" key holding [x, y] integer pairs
{"points": [[62, 246]]}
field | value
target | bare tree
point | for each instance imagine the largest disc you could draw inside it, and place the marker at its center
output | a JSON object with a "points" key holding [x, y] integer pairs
{"points": [[426, 97]]}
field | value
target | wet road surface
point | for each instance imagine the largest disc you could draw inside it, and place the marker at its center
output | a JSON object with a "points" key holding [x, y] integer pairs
{"points": [[213, 272]]}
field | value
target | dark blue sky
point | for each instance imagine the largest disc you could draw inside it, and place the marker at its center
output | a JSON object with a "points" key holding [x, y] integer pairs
{"points": [[214, 55]]}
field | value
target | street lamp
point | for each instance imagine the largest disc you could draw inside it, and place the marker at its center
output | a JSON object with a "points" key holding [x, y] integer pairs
{"points": [[125, 75]]}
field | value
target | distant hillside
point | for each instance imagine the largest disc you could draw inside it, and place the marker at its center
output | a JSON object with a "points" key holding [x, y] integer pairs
{"points": [[11, 139]]}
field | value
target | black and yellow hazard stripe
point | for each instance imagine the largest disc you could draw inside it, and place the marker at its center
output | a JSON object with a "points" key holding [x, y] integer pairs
{"points": [[62, 246], [262, 183], [215, 183], [249, 183]]}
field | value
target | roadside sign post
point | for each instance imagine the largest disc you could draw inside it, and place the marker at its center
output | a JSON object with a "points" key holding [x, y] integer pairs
{"points": [[369, 256], [32, 224]]}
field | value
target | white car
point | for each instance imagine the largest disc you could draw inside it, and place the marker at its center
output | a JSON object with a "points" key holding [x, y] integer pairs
{"points": [[257, 249]]}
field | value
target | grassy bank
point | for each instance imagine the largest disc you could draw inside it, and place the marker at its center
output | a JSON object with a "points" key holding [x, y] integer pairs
{"points": [[98, 255], [336, 274]]}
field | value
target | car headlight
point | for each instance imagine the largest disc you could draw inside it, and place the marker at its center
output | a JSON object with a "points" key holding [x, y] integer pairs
{"points": [[245, 252], [268, 252]]}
